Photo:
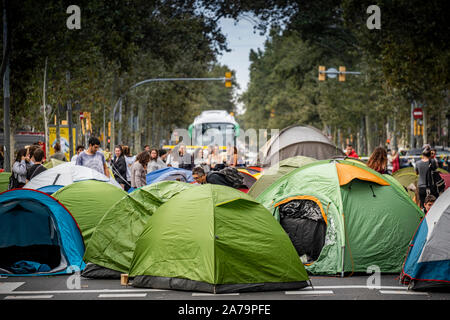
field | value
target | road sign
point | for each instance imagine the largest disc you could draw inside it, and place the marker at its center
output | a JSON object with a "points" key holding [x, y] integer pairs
{"points": [[81, 115], [332, 73], [418, 113]]}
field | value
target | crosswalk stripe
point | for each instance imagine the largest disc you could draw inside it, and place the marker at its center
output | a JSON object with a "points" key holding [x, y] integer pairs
{"points": [[7, 287], [355, 287], [310, 292], [88, 291], [201, 294], [402, 292], [49, 296], [126, 295]]}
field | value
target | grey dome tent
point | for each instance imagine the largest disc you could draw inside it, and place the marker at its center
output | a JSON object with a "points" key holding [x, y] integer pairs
{"points": [[298, 141]]}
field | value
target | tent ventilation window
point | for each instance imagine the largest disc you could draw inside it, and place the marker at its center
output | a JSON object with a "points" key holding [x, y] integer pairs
{"points": [[303, 222]]}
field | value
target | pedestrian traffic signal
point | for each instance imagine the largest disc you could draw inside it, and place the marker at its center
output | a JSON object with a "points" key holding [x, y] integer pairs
{"points": [[341, 74], [322, 75], [228, 79]]}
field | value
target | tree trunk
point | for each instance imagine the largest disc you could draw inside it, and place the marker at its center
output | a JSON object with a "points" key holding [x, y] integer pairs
{"points": [[368, 135]]}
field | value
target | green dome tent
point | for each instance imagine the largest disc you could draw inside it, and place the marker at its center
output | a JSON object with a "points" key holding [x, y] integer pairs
{"points": [[88, 201], [272, 174], [213, 238], [4, 180], [111, 247], [343, 217]]}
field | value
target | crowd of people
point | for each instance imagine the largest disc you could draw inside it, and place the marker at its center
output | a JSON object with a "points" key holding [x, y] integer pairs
{"points": [[427, 189], [130, 171]]}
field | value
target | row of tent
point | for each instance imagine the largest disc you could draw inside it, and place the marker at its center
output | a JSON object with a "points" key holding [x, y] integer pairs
{"points": [[299, 217], [169, 235]]}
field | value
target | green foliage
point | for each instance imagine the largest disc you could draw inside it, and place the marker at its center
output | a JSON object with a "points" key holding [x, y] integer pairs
{"points": [[119, 44]]}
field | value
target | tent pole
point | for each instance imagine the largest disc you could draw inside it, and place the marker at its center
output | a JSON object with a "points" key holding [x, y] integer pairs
{"points": [[343, 255]]}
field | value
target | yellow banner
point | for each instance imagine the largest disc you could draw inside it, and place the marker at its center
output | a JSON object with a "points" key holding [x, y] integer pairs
{"points": [[64, 140]]}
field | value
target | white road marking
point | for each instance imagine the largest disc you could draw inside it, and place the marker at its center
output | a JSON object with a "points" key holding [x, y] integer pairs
{"points": [[29, 297], [403, 292], [204, 294], [355, 287], [310, 292], [126, 295], [89, 291], [7, 287]]}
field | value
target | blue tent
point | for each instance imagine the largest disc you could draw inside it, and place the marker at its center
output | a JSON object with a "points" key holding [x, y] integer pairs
{"points": [[169, 173], [427, 265], [38, 235], [50, 189]]}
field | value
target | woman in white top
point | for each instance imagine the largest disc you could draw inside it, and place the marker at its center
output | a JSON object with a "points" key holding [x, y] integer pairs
{"points": [[200, 160], [129, 160], [20, 166], [155, 162], [215, 159]]}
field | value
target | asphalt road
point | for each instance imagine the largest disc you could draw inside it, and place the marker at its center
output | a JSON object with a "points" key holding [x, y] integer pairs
{"points": [[64, 287]]}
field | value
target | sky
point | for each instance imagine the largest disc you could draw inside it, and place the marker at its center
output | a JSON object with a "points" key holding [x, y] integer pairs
{"points": [[241, 39]]}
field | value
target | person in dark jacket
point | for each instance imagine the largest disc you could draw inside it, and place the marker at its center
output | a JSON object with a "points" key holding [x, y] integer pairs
{"points": [[119, 167], [421, 167], [37, 167], [213, 177]]}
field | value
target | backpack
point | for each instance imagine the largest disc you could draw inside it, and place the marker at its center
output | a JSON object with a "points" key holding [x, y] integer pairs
{"points": [[435, 183], [13, 181], [233, 176]]}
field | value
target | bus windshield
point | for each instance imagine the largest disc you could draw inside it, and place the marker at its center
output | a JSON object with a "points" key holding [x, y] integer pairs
{"points": [[214, 133]]}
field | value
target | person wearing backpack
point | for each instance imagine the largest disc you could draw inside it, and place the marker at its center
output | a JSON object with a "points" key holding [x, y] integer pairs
{"points": [[37, 167], [19, 170], [425, 168]]}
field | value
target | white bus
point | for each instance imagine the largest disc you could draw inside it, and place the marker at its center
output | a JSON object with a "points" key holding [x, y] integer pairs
{"points": [[214, 127]]}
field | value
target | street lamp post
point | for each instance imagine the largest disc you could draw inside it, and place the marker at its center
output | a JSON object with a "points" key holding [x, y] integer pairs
{"points": [[6, 95], [119, 101]]}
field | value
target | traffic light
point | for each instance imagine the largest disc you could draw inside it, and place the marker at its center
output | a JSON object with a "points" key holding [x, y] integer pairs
{"points": [[322, 76], [228, 79], [341, 75], [272, 113], [109, 129], [416, 128]]}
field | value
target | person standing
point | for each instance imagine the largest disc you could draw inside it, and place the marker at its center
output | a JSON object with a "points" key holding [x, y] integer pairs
{"points": [[216, 159], [92, 158], [422, 167], [139, 170], [58, 155], [79, 150], [30, 152], [19, 169], [200, 160], [232, 156], [183, 158], [378, 160], [350, 152], [155, 162], [37, 167], [119, 166], [129, 160], [395, 160]]}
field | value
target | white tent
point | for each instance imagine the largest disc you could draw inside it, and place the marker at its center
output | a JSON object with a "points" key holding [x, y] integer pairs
{"points": [[298, 141], [65, 174]]}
